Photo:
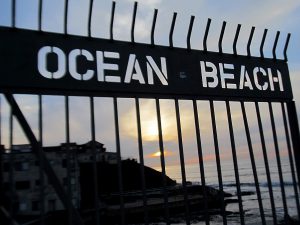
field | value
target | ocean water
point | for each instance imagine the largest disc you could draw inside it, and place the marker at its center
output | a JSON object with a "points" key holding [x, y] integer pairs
{"points": [[250, 203]]}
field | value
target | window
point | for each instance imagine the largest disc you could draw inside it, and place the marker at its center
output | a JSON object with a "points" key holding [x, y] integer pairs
{"points": [[22, 166], [65, 181], [37, 182], [72, 181], [52, 205], [64, 163], [22, 206], [5, 167], [22, 185], [74, 201], [35, 205], [6, 186], [25, 166]]}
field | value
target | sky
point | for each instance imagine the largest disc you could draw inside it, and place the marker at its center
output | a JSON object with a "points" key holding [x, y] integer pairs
{"points": [[276, 15]]}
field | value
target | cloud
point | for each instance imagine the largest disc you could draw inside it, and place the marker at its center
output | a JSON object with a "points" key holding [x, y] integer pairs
{"points": [[147, 3], [267, 14]]}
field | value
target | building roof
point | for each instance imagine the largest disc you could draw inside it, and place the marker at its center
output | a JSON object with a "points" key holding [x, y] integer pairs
{"points": [[79, 148]]}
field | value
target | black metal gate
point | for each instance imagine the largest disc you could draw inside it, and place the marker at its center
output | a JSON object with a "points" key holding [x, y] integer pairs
{"points": [[256, 134]]}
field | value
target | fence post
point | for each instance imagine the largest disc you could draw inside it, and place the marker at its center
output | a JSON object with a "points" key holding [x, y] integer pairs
{"points": [[295, 135], [1, 173]]}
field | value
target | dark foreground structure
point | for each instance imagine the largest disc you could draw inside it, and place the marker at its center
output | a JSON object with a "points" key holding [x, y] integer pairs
{"points": [[42, 63], [27, 209]]}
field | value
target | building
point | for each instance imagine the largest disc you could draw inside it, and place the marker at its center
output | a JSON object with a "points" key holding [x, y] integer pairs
{"points": [[21, 177]]}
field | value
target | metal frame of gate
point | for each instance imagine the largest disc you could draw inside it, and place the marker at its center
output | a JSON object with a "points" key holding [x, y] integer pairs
{"points": [[289, 114]]}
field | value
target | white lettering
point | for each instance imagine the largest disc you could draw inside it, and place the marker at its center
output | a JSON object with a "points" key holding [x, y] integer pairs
{"points": [[161, 74], [256, 71], [277, 79], [244, 79], [133, 65], [54, 63], [101, 66], [43, 62], [209, 74], [226, 76], [73, 64]]}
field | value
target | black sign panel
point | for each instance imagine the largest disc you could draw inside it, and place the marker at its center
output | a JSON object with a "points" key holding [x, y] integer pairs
{"points": [[34, 62]]}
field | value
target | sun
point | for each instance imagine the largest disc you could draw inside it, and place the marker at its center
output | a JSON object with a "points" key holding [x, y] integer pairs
{"points": [[156, 154], [150, 132]]}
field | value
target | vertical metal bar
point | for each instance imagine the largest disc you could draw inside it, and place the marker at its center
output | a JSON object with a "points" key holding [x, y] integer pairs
{"points": [[216, 143], [66, 17], [295, 135], [188, 40], [112, 20], [261, 209], [172, 30], [237, 33], [287, 135], [68, 158], [250, 41], [41, 165], [94, 155], [90, 18], [162, 160], [266, 161], [0, 119], [2, 149], [275, 45], [182, 164], [13, 14], [286, 47], [201, 163], [206, 35], [120, 177], [133, 21], [263, 43], [221, 37], [235, 163], [141, 156], [278, 159], [40, 14], [153, 26], [1, 177], [11, 167]]}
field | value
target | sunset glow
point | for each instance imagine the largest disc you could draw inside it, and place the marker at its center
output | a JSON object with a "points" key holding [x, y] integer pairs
{"points": [[150, 132], [158, 154], [149, 123]]}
